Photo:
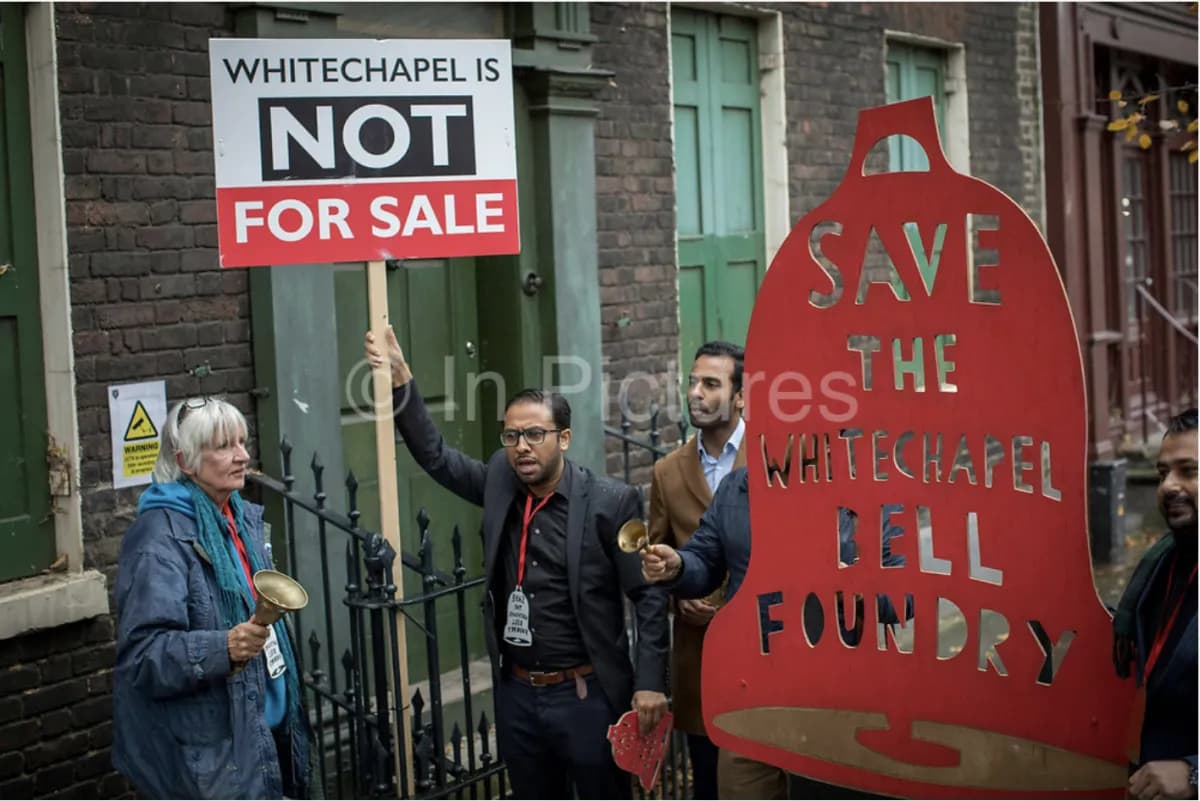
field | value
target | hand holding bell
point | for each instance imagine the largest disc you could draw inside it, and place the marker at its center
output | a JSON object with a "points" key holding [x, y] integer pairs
{"points": [[277, 594]]}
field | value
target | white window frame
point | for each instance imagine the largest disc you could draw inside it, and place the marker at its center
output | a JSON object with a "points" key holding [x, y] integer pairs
{"points": [[956, 139]]}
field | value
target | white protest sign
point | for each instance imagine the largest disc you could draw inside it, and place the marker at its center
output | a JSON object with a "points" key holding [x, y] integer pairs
{"points": [[136, 413], [361, 150]]}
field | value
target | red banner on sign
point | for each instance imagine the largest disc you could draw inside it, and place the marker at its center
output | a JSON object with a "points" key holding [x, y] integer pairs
{"points": [[919, 617], [291, 223]]}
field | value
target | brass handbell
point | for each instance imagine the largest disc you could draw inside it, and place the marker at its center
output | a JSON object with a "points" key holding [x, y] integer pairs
{"points": [[633, 536], [277, 594]]}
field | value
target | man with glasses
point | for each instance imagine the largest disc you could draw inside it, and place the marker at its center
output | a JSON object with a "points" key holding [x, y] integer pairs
{"points": [[555, 577]]}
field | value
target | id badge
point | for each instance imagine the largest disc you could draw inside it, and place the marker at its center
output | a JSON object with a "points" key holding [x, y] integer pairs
{"points": [[275, 664], [516, 627]]}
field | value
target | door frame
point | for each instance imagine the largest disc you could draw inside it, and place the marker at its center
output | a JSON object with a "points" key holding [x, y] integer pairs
{"points": [[76, 594]]}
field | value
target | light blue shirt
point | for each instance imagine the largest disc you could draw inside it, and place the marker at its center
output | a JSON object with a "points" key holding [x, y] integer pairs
{"points": [[716, 469]]}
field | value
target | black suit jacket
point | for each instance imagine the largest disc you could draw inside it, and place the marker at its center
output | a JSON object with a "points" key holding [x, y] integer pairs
{"points": [[1169, 725], [598, 572]]}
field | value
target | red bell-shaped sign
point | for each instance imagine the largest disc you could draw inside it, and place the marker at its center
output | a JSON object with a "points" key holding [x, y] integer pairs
{"points": [[919, 617]]}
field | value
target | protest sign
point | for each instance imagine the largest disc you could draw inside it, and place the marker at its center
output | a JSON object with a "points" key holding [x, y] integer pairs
{"points": [[912, 366], [333, 150]]}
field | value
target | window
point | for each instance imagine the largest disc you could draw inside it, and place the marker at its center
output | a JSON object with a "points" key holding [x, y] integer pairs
{"points": [[914, 72], [1183, 234]]}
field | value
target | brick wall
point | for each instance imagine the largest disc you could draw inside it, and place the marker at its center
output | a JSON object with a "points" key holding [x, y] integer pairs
{"points": [[834, 66], [635, 209], [56, 714], [834, 60], [1029, 94], [147, 303]]}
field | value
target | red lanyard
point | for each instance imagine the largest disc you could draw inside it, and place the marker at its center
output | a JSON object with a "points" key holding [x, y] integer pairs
{"points": [[1161, 639], [530, 512], [241, 549]]}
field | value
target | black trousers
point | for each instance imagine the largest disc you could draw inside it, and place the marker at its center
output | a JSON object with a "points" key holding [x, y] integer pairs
{"points": [[554, 744], [704, 765]]}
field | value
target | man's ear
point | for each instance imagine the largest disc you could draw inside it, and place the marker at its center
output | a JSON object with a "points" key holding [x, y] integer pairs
{"points": [[564, 439], [739, 400]]}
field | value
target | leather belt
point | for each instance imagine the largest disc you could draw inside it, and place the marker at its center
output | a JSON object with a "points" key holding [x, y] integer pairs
{"points": [[538, 678]]}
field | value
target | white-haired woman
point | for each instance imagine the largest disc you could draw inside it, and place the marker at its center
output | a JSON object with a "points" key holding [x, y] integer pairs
{"points": [[188, 721]]}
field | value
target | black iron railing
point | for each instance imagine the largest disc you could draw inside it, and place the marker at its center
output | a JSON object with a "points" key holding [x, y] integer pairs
{"points": [[354, 699], [652, 444]]}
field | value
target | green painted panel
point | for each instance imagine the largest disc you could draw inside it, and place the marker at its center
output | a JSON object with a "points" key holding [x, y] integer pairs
{"points": [[914, 72], [738, 289], [433, 310], [13, 457], [691, 312], [735, 61], [428, 321], [687, 171], [718, 152], [736, 168], [683, 57], [26, 523], [894, 143]]}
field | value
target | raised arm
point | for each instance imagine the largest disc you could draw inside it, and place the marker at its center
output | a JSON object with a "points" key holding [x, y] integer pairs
{"points": [[453, 469]]}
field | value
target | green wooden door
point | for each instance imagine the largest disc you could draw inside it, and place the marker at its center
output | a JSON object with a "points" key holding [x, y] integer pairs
{"points": [[718, 174], [914, 72], [433, 310], [26, 523]]}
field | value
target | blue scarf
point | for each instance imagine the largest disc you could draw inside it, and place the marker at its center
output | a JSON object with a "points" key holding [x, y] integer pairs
{"points": [[234, 601]]}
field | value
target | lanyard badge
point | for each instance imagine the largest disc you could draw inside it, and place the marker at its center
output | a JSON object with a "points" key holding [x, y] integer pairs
{"points": [[516, 625]]}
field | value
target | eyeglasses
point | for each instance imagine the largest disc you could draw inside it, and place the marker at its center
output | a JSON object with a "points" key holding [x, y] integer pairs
{"points": [[534, 436], [189, 405]]}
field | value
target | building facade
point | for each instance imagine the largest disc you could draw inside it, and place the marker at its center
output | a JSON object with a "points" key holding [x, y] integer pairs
{"points": [[664, 152], [1121, 218]]}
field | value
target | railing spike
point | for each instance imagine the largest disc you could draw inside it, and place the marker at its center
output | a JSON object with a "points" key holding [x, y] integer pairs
{"points": [[422, 519], [352, 499], [456, 543]]}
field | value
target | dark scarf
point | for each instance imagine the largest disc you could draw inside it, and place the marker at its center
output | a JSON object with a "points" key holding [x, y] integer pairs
{"points": [[1125, 620]]}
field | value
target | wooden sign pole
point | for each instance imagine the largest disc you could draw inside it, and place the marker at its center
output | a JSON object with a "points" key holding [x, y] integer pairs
{"points": [[389, 505]]}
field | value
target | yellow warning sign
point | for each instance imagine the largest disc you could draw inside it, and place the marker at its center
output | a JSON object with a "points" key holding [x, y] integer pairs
{"points": [[140, 458], [140, 425], [135, 419]]}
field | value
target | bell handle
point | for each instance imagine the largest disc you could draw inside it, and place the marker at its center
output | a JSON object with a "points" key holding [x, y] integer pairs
{"points": [[913, 118]]}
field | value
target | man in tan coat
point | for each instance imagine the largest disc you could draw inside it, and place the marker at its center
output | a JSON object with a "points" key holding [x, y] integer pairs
{"points": [[682, 488]]}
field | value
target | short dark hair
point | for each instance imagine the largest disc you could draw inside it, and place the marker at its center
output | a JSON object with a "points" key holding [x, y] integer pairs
{"points": [[721, 348], [560, 410], [1182, 422]]}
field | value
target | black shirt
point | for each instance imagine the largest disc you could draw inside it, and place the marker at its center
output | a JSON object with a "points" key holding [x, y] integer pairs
{"points": [[557, 642]]}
